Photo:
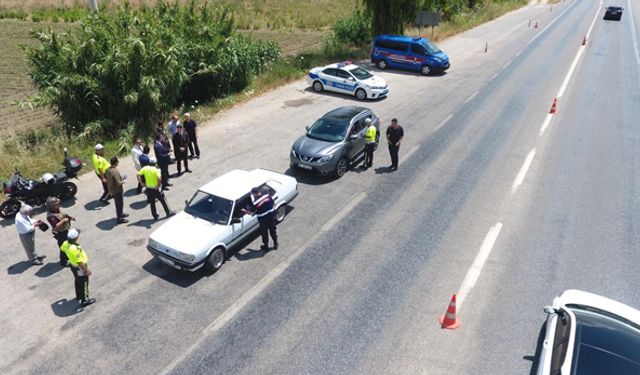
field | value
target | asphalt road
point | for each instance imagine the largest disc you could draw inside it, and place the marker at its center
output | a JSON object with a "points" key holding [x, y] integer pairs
{"points": [[368, 262]]}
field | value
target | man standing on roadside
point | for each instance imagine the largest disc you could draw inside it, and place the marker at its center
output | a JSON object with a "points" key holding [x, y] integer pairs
{"points": [[369, 142], [136, 152], [78, 260], [153, 189], [26, 227], [173, 125], [115, 183], [164, 159], [60, 224], [101, 165], [395, 133], [180, 145], [192, 130]]}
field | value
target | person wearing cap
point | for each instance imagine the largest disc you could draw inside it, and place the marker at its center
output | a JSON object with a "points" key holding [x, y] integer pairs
{"points": [[163, 157], [150, 177], [26, 226], [180, 146], [78, 260], [192, 130], [101, 165], [60, 224], [115, 183], [262, 207], [369, 142], [395, 133]]}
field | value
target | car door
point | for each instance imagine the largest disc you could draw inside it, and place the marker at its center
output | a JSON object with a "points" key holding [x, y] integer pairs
{"points": [[417, 56], [242, 224], [347, 83], [356, 139], [330, 77]]}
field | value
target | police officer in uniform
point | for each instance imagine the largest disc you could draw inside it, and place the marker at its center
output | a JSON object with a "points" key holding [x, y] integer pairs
{"points": [[262, 207], [152, 182], [78, 260], [369, 142], [101, 165], [60, 224]]}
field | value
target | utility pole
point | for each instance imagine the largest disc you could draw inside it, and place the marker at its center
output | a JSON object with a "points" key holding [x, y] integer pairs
{"points": [[93, 5]]}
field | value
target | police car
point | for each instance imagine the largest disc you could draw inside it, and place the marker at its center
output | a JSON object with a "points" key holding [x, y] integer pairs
{"points": [[347, 78]]}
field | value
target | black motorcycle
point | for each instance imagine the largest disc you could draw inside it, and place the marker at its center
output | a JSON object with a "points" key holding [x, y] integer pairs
{"points": [[35, 193]]}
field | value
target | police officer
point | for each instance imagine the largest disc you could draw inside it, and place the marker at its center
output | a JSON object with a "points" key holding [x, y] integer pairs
{"points": [[152, 182], [395, 133], [78, 260], [101, 165], [60, 224], [262, 207], [369, 142]]}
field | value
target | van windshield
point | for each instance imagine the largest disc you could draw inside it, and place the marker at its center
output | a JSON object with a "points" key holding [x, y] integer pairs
{"points": [[430, 47]]}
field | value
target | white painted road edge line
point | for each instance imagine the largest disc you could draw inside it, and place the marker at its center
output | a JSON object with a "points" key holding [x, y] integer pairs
{"points": [[441, 124], [634, 33], [546, 123], [471, 97], [552, 22], [476, 268], [505, 66], [564, 85], [254, 291], [493, 77], [523, 171], [406, 156]]}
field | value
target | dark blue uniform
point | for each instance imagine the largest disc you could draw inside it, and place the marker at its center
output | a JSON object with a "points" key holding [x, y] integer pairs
{"points": [[263, 207]]}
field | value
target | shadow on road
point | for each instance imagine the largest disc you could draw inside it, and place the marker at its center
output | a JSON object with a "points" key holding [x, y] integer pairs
{"points": [[6, 222], [183, 279], [536, 357], [68, 203], [95, 205], [131, 192], [147, 223], [64, 308], [249, 254], [49, 269], [18, 268], [107, 225], [309, 178], [342, 96], [138, 205], [383, 170]]}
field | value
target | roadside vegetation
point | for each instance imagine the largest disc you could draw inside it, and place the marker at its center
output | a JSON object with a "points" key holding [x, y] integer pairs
{"points": [[317, 42]]}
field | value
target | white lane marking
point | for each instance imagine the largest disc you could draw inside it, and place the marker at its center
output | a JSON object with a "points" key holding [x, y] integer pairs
{"points": [[252, 293], [552, 22], [343, 212], [505, 66], [493, 77], [471, 97], [406, 156], [523, 171], [476, 268], [565, 83], [441, 124], [633, 33], [546, 123], [518, 53]]}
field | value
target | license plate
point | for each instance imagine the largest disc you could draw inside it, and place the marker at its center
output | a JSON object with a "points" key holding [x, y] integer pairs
{"points": [[166, 261], [305, 166]]}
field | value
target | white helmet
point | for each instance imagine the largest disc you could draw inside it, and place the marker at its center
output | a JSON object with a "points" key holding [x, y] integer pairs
{"points": [[48, 178]]}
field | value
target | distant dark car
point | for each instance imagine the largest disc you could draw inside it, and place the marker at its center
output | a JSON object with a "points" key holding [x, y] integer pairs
{"points": [[613, 13]]}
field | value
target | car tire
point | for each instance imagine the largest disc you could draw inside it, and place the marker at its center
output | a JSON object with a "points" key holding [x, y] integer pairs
{"points": [[425, 70], [381, 64], [215, 260], [281, 212], [341, 167], [317, 86], [361, 94], [9, 208]]}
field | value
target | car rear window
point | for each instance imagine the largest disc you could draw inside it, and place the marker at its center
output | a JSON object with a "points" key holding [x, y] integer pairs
{"points": [[605, 343]]}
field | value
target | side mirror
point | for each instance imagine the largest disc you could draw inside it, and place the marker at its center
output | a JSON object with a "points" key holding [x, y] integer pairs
{"points": [[236, 220], [353, 137], [350, 78], [550, 310], [186, 203]]}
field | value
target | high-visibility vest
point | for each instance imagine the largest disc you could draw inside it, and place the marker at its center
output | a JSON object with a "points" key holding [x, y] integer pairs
{"points": [[74, 253], [151, 176], [100, 164], [370, 134]]}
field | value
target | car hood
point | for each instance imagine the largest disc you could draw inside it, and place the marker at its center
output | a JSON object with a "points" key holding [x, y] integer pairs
{"points": [[375, 81], [188, 234], [578, 297], [442, 56], [312, 147]]}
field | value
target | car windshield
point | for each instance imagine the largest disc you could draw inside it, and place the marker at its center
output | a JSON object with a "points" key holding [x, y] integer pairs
{"points": [[210, 207], [360, 73], [604, 343], [328, 129], [430, 47]]}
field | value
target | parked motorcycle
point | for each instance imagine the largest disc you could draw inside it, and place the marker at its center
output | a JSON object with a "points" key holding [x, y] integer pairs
{"points": [[35, 193]]}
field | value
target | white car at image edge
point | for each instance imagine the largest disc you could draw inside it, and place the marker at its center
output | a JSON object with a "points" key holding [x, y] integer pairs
{"points": [[590, 334], [347, 78], [212, 222]]}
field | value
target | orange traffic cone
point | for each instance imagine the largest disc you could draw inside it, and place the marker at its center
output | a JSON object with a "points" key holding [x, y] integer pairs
{"points": [[449, 320], [584, 41], [553, 106]]}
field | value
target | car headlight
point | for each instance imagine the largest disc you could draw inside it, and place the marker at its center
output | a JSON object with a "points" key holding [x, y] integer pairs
{"points": [[325, 159], [187, 257], [437, 60], [153, 244]]}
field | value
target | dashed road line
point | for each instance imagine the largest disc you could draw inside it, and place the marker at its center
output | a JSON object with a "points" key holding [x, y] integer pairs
{"points": [[406, 156], [471, 97], [546, 123], [441, 124], [523, 171], [493, 77]]}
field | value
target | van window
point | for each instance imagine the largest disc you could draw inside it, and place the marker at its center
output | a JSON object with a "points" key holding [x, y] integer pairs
{"points": [[418, 49], [389, 44]]}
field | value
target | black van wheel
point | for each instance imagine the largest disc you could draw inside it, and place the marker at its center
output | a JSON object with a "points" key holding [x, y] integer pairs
{"points": [[382, 65], [425, 70], [317, 86]]}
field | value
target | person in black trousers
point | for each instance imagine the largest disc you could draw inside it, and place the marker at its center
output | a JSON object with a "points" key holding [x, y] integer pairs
{"points": [[180, 144], [191, 127], [262, 207], [164, 159], [395, 133]]}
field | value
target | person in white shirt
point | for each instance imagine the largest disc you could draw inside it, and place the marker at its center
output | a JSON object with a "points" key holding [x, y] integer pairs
{"points": [[26, 227], [173, 125], [136, 151]]}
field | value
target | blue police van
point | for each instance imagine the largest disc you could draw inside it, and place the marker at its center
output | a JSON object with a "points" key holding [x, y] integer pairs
{"points": [[404, 52]]}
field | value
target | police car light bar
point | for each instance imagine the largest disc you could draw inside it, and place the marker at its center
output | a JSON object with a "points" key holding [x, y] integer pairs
{"points": [[345, 63]]}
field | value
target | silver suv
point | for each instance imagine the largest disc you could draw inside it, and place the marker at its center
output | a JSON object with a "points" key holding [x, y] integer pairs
{"points": [[334, 142]]}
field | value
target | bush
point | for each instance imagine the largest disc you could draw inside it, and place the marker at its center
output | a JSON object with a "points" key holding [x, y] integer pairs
{"points": [[355, 30], [132, 66]]}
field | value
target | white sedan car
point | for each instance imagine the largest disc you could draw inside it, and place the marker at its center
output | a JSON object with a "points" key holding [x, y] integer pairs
{"points": [[212, 221], [348, 78], [590, 334]]}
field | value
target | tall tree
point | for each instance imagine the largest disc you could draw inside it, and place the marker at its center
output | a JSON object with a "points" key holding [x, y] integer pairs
{"points": [[390, 16]]}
